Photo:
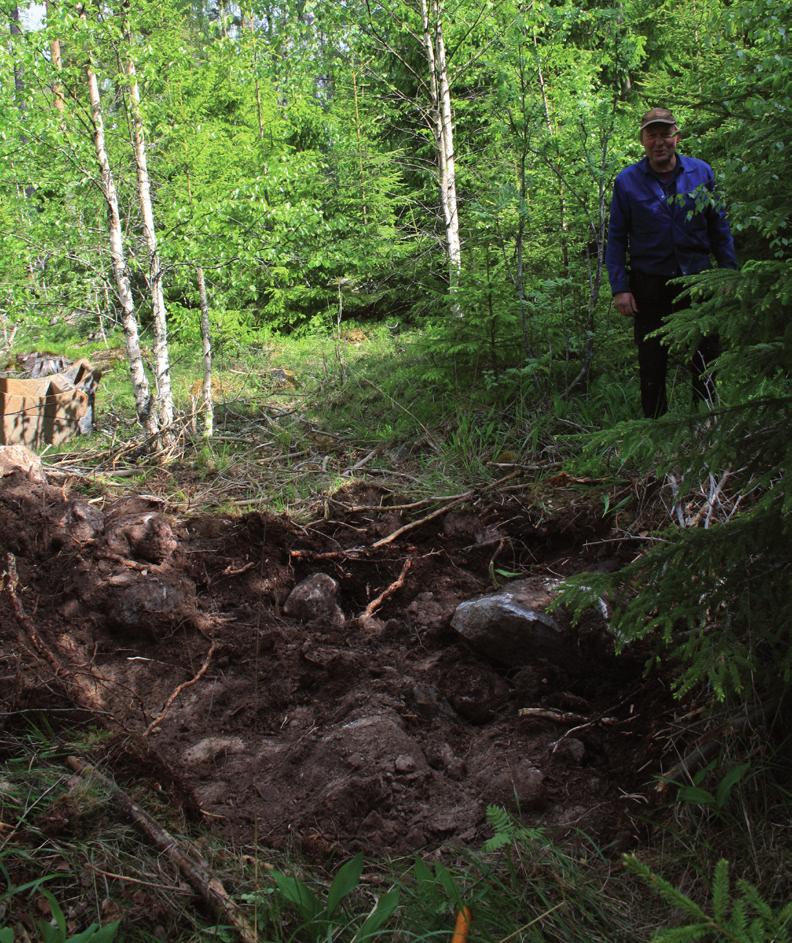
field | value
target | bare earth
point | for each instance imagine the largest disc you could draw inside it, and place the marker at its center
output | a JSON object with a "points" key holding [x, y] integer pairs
{"points": [[382, 732]]}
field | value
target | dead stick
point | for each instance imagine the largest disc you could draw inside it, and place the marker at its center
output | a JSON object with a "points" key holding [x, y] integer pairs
{"points": [[194, 868], [564, 717], [412, 506], [182, 687], [446, 507], [130, 880], [372, 607], [327, 555]]}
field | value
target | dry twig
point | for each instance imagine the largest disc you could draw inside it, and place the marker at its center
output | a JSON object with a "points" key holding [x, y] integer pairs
{"points": [[442, 510], [195, 869], [564, 717]]}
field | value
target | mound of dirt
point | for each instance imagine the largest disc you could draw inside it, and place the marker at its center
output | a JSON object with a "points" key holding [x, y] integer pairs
{"points": [[348, 715]]}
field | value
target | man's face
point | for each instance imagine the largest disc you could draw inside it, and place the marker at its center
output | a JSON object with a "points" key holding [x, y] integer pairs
{"points": [[660, 144]]}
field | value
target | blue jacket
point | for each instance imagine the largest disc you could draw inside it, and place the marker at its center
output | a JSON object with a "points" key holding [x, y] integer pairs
{"points": [[663, 237]]}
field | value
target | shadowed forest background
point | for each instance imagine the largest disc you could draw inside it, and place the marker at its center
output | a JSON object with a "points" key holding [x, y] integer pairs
{"points": [[311, 243]]}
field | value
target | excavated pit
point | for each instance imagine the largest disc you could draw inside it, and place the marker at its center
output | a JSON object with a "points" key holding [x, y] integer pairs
{"points": [[319, 724]]}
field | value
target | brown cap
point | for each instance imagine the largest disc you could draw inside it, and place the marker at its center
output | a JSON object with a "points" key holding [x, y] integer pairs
{"points": [[657, 116]]}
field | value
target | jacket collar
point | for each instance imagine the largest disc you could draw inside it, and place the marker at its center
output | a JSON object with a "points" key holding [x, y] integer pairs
{"points": [[681, 166]]}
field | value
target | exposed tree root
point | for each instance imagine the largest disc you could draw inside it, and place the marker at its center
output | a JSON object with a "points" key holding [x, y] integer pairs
{"points": [[182, 687], [397, 584]]}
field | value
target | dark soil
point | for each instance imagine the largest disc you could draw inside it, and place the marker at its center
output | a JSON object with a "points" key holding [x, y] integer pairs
{"points": [[334, 733]]}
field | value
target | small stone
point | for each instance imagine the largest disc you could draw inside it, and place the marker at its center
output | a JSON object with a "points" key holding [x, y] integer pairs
{"points": [[210, 748], [571, 748], [83, 521], [146, 605], [528, 785], [404, 763], [315, 598]]}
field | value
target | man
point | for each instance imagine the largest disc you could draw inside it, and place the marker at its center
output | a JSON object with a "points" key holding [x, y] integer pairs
{"points": [[659, 225]]}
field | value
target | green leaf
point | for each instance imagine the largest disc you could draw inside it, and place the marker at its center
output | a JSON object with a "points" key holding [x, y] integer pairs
{"points": [[299, 894], [96, 934], [729, 781], [422, 872], [379, 915], [695, 795], [50, 934], [446, 881], [6, 935], [56, 934], [345, 881], [688, 934]]}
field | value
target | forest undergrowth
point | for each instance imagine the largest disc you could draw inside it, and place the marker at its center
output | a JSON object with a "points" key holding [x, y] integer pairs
{"points": [[708, 844]]}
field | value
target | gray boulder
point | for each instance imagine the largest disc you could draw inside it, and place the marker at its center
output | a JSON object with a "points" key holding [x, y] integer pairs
{"points": [[512, 627]]}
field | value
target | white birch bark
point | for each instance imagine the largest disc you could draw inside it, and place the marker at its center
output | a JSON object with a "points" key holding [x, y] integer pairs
{"points": [[164, 394], [140, 384], [443, 130], [447, 124]]}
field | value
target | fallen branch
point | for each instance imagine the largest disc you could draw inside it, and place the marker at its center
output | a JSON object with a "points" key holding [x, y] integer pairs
{"points": [[397, 584], [564, 717], [412, 506], [193, 867], [421, 521], [442, 510], [351, 553], [182, 687]]}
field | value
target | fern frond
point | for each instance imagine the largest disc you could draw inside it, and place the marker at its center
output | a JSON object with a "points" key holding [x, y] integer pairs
{"points": [[720, 891]]}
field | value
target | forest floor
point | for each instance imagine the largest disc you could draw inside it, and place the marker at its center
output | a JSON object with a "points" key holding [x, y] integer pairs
{"points": [[147, 629], [369, 725]]}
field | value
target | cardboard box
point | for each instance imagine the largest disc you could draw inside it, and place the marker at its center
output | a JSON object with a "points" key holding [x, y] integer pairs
{"points": [[46, 410]]}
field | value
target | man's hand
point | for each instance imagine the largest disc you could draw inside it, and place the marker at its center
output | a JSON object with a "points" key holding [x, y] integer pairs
{"points": [[624, 303]]}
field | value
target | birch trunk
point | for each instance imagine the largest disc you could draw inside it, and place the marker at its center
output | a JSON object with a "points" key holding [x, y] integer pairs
{"points": [[448, 156], [442, 128], [164, 395], [140, 384], [208, 407]]}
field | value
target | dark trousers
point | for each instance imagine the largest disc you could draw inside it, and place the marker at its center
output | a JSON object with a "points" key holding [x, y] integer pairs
{"points": [[656, 300]]}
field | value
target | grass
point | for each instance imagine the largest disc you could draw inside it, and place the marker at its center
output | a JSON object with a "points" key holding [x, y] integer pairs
{"points": [[64, 836]]}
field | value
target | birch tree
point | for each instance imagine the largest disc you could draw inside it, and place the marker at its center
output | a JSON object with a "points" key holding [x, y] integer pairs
{"points": [[143, 400], [443, 129], [164, 394]]}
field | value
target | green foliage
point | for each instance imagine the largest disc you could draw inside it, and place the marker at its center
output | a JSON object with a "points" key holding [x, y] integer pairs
{"points": [[55, 931], [696, 794], [326, 920], [743, 917]]}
